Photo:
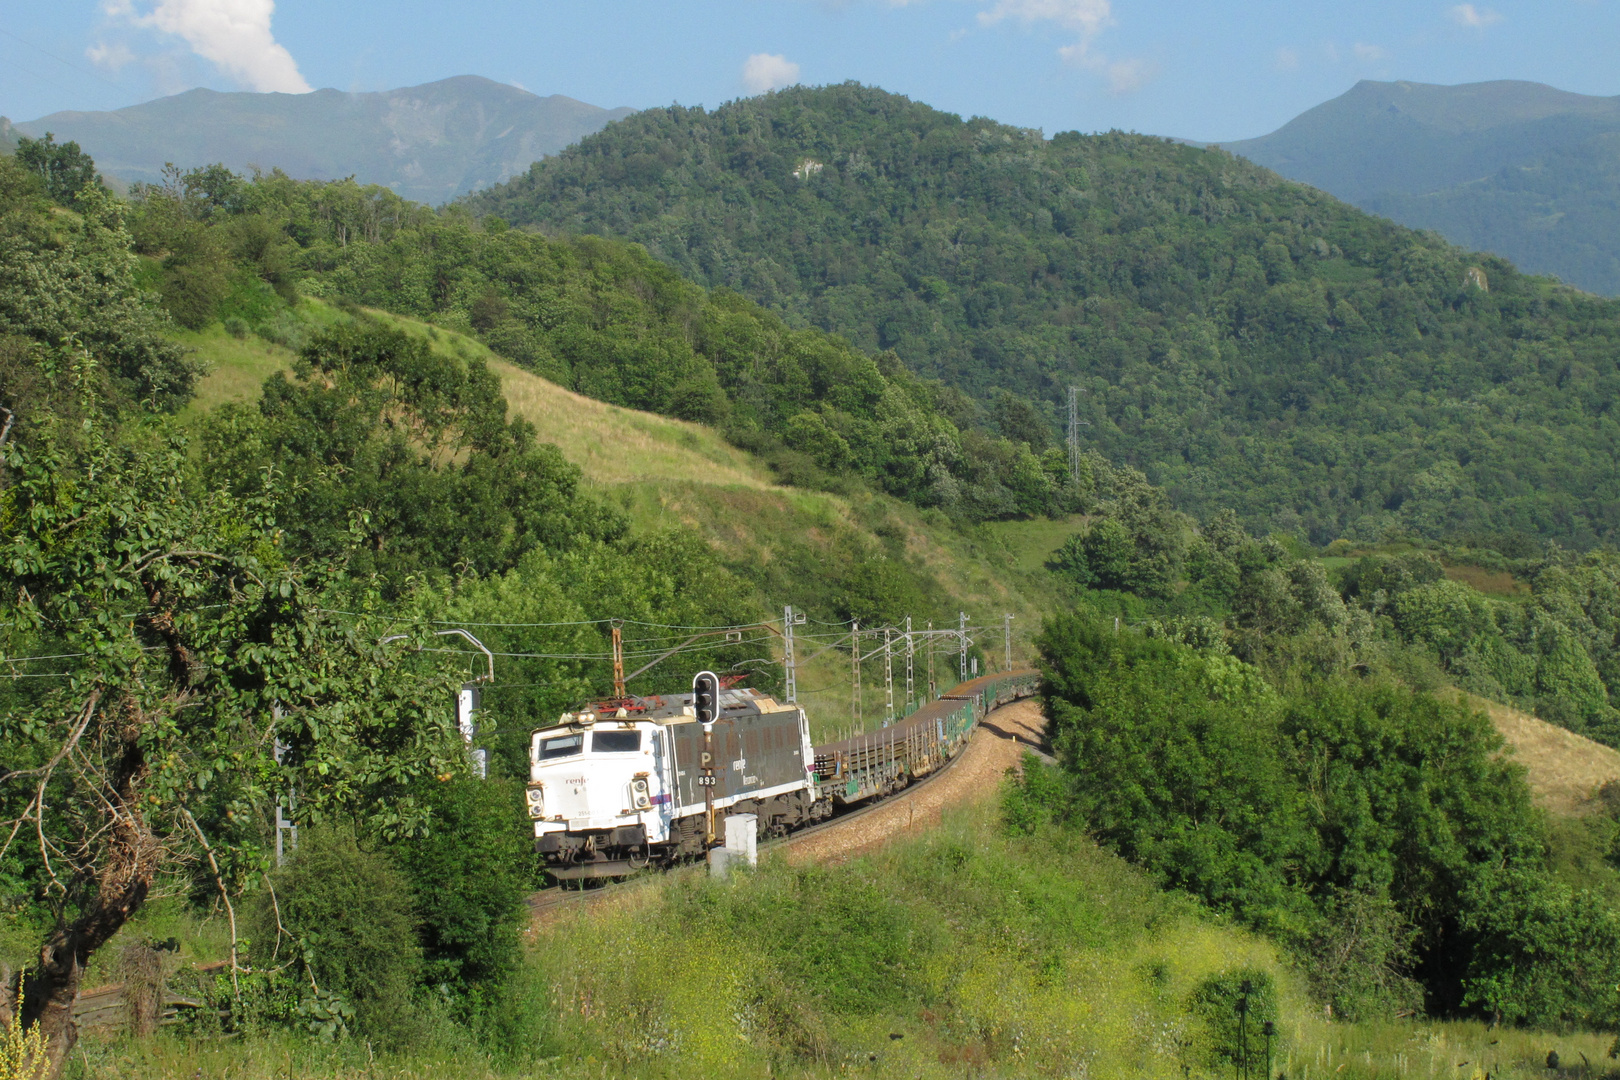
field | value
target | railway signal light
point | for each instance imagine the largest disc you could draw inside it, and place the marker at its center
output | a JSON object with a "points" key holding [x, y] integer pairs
{"points": [[706, 697], [706, 708]]}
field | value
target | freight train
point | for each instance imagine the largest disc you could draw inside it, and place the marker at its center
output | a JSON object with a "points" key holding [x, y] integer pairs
{"points": [[624, 784]]}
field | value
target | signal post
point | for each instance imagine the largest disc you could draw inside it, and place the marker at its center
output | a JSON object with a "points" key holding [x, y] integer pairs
{"points": [[706, 707]]}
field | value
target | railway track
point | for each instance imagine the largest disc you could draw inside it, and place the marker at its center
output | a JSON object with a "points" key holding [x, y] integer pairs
{"points": [[559, 898]]}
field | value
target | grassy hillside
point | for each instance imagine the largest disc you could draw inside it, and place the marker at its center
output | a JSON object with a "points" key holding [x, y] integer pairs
{"points": [[1564, 769], [958, 953], [610, 445], [1249, 342], [793, 546]]}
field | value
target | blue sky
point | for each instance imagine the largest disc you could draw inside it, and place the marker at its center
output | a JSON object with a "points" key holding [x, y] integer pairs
{"points": [[1204, 71]]}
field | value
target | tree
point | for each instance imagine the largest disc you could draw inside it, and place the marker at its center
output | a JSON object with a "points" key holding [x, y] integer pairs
{"points": [[191, 645], [410, 449], [68, 293], [63, 168], [1344, 802]]}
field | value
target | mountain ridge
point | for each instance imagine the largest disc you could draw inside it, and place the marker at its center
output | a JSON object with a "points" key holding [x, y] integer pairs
{"points": [[1518, 168], [431, 143]]}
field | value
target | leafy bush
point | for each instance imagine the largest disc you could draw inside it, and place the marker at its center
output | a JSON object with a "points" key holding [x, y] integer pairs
{"points": [[470, 871], [845, 948], [1543, 953], [407, 450], [1234, 1006], [1361, 956], [68, 290], [344, 912]]}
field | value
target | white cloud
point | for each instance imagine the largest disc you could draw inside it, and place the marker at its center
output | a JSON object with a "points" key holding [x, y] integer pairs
{"points": [[111, 57], [1369, 54], [1287, 59], [1474, 18], [1087, 16], [1129, 75], [234, 35], [767, 71], [1122, 76]]}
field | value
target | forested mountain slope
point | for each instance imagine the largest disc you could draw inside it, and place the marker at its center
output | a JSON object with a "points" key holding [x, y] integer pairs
{"points": [[225, 586], [1517, 168], [1249, 342], [429, 143], [603, 319]]}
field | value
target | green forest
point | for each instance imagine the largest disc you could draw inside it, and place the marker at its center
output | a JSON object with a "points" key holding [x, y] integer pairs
{"points": [[1249, 343], [1260, 756], [1374, 830]]}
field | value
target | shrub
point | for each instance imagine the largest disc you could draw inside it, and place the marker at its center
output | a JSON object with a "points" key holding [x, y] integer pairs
{"points": [[1543, 954], [1233, 1007], [469, 875], [348, 913]]}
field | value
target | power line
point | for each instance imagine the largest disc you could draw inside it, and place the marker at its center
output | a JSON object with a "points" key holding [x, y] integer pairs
{"points": [[65, 63], [51, 656]]}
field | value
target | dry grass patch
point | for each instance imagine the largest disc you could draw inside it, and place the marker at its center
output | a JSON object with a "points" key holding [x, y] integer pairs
{"points": [[618, 446], [1565, 768], [1490, 582], [237, 366]]}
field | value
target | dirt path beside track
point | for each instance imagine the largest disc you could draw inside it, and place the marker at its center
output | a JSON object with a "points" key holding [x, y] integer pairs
{"points": [[998, 745]]}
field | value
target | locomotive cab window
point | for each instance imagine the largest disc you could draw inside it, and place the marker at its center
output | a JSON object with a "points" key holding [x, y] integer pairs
{"points": [[561, 746], [616, 742]]}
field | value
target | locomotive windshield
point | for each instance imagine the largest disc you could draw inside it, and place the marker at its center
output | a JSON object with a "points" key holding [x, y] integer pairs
{"points": [[561, 746], [616, 742]]}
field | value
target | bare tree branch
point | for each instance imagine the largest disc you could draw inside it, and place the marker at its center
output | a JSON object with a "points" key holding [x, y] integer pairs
{"points": [[35, 810], [224, 894]]}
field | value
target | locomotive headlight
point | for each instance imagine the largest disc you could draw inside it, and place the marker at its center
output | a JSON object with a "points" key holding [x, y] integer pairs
{"points": [[537, 802], [640, 798]]}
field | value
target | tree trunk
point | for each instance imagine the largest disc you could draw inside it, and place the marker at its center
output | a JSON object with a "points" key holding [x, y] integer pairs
{"points": [[127, 869]]}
